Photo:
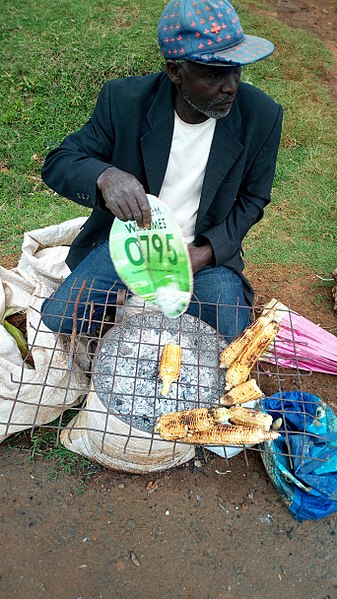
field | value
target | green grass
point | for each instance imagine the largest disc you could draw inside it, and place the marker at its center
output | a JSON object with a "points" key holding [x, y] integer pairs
{"points": [[300, 225], [55, 58], [44, 444]]}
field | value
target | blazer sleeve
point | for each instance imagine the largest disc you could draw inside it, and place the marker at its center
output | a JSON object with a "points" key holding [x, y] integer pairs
{"points": [[72, 169], [254, 194]]}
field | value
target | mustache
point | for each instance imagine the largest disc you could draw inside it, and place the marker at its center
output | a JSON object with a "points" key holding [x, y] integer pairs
{"points": [[220, 101]]}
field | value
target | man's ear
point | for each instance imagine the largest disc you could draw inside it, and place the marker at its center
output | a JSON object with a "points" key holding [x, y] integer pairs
{"points": [[174, 71]]}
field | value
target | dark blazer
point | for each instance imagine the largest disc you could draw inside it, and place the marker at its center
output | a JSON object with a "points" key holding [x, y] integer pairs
{"points": [[131, 128]]}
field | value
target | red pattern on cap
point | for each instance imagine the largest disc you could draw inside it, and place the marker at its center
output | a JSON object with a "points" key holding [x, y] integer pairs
{"points": [[221, 16]]}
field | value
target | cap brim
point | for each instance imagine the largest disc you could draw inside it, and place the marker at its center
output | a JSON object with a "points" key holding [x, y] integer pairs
{"points": [[251, 49]]}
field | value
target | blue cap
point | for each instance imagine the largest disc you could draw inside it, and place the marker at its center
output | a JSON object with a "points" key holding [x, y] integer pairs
{"points": [[208, 32]]}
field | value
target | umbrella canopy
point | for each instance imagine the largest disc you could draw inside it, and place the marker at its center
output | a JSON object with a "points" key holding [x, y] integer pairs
{"points": [[300, 343]]}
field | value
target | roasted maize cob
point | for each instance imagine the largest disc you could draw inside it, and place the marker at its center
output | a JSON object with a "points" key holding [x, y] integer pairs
{"points": [[170, 365], [177, 424], [248, 417], [248, 391], [222, 434], [239, 370], [234, 349]]}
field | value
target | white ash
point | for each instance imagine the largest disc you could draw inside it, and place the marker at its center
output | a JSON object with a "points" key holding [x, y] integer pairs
{"points": [[126, 367]]}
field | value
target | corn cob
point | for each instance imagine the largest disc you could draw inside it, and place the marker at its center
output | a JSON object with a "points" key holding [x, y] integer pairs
{"points": [[178, 424], [234, 349], [248, 391], [248, 417], [239, 370], [222, 434], [170, 364], [277, 424]]}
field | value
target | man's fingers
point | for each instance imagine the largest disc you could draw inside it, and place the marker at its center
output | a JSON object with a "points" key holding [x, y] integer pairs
{"points": [[129, 209], [200, 256], [138, 209], [125, 196], [146, 212], [116, 210], [142, 211]]}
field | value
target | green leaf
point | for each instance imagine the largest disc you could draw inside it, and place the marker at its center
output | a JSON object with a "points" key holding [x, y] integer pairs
{"points": [[18, 336]]}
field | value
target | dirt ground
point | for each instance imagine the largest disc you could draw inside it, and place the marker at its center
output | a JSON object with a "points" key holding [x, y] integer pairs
{"points": [[316, 16], [210, 532]]}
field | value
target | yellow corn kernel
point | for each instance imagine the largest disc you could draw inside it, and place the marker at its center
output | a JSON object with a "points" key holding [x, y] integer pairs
{"points": [[170, 365], [239, 370], [222, 434], [178, 424], [220, 415], [248, 391], [248, 417], [234, 349]]}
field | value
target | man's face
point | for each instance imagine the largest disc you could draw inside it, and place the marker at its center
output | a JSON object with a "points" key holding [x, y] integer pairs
{"points": [[208, 90]]}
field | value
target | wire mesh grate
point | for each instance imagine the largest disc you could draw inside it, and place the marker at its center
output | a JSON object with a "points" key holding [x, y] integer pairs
{"points": [[106, 368]]}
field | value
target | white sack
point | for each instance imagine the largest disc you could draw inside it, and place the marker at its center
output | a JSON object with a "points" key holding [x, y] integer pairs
{"points": [[118, 447], [34, 396], [44, 252]]}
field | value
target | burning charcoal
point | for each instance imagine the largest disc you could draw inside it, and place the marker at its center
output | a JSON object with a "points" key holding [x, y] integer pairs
{"points": [[126, 366]]}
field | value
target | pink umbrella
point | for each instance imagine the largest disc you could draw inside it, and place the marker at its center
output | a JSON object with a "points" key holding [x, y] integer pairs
{"points": [[301, 343]]}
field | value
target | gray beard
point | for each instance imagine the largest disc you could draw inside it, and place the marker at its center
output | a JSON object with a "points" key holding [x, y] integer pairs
{"points": [[209, 109]]}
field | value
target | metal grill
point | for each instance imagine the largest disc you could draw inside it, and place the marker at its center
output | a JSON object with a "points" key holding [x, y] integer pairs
{"points": [[120, 372]]}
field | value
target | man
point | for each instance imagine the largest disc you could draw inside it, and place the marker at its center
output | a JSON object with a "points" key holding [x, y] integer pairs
{"points": [[195, 136]]}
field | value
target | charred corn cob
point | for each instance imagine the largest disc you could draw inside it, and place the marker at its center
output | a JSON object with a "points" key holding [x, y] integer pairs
{"points": [[222, 434], [248, 391], [177, 424], [170, 365], [234, 349], [248, 417], [239, 370]]}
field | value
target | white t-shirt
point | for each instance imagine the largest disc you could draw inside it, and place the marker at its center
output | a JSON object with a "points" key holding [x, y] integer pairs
{"points": [[184, 177]]}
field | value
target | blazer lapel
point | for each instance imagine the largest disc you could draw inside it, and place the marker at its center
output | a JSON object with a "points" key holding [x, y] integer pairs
{"points": [[156, 143], [225, 150]]}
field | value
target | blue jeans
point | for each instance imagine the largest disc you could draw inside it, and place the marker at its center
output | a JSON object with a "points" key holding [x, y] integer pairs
{"points": [[218, 297]]}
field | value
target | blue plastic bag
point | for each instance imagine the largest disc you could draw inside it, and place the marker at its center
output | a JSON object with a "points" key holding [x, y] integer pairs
{"points": [[307, 482]]}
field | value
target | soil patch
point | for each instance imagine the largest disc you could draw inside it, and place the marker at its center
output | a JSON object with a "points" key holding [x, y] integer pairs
{"points": [[318, 17]]}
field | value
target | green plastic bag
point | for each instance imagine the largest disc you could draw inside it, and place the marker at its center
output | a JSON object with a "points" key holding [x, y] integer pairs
{"points": [[154, 263]]}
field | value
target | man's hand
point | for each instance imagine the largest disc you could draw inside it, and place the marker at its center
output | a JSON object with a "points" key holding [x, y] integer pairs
{"points": [[124, 196], [200, 256]]}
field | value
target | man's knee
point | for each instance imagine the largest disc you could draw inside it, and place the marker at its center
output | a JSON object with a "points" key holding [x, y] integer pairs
{"points": [[53, 319], [219, 285]]}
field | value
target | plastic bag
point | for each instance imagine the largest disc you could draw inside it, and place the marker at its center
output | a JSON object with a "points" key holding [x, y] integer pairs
{"points": [[154, 263], [302, 462]]}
